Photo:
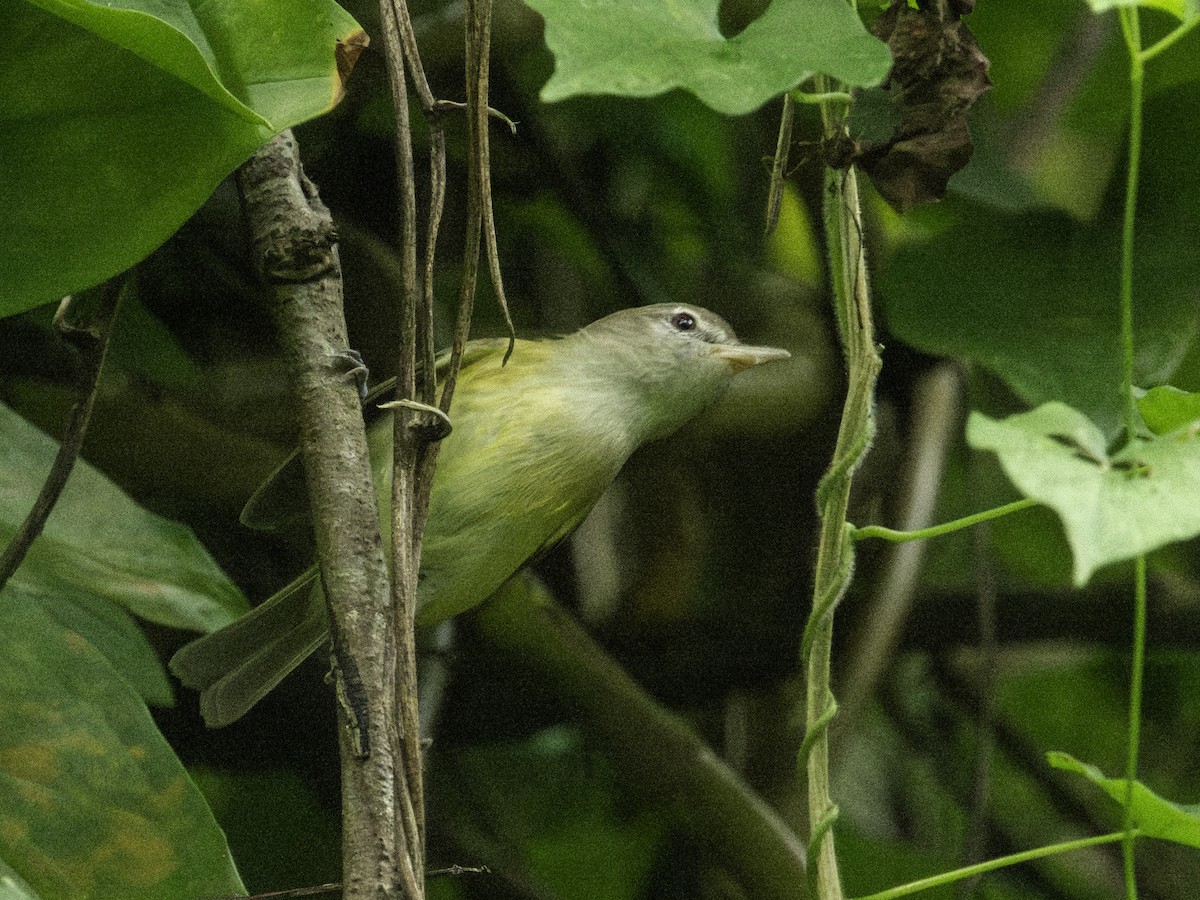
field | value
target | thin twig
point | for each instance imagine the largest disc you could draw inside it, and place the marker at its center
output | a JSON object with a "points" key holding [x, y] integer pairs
{"points": [[479, 26], [416, 450], [432, 109], [779, 165], [474, 217], [455, 106], [92, 342], [312, 890], [409, 445]]}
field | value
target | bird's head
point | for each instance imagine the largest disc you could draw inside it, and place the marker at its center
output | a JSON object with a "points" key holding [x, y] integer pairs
{"points": [[671, 360]]}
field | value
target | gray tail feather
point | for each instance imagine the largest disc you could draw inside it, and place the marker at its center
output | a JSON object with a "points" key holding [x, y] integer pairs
{"points": [[235, 667]]}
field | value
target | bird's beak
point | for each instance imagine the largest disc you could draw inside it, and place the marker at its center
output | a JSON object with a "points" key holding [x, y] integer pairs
{"points": [[740, 356]]}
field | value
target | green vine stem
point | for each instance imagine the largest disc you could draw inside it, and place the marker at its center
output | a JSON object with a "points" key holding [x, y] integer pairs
{"points": [[903, 537], [1169, 40], [835, 550], [990, 865], [1130, 26], [1133, 39]]}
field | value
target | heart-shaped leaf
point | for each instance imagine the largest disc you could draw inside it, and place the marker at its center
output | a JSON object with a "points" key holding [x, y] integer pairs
{"points": [[1113, 507], [641, 48], [1167, 408]]}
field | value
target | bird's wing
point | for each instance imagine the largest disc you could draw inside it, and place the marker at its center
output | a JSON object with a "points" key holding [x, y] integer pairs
{"points": [[511, 479], [280, 504], [238, 665]]}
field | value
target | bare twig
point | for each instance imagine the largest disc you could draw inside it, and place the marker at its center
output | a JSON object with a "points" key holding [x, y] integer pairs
{"points": [[409, 446], [416, 425], [779, 165], [479, 44], [294, 241], [474, 217], [92, 342], [312, 890]]}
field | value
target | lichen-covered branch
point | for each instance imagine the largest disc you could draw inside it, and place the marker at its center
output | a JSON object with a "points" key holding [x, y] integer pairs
{"points": [[295, 247]]}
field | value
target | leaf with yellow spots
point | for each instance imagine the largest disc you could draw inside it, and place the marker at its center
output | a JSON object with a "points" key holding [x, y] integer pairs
{"points": [[93, 803]]}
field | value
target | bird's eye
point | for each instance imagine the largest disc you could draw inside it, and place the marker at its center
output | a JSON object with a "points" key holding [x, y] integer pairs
{"points": [[683, 321]]}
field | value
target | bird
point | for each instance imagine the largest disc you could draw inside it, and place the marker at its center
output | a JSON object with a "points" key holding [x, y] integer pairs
{"points": [[534, 444]]}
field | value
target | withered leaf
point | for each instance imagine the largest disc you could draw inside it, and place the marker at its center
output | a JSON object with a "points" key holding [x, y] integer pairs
{"points": [[938, 72]]}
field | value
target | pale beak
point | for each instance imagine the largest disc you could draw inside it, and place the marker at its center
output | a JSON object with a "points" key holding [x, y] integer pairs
{"points": [[741, 356]]}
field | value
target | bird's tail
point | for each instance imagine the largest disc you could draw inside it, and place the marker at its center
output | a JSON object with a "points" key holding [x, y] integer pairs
{"points": [[235, 667]]}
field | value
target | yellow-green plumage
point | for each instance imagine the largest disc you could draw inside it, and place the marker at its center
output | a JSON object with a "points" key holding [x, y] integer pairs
{"points": [[534, 445]]}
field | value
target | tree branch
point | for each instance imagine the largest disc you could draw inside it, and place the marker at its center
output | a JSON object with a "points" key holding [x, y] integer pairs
{"points": [[409, 446], [937, 421], [656, 753], [416, 428], [294, 243]]}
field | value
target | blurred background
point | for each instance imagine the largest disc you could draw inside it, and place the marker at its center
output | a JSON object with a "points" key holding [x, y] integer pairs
{"points": [[694, 572]]}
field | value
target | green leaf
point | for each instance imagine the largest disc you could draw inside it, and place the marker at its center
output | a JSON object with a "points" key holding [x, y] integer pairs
{"points": [[641, 48], [1165, 409], [1153, 816], [1112, 507], [99, 543], [1033, 297], [1181, 9], [93, 801], [117, 120], [109, 629]]}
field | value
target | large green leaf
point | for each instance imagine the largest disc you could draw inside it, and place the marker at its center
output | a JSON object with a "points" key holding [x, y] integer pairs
{"points": [[1152, 815], [108, 628], [94, 803], [1113, 507], [118, 119], [641, 48], [1034, 297], [98, 543]]}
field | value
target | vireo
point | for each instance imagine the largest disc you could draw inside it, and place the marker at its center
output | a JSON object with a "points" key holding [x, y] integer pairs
{"points": [[534, 444]]}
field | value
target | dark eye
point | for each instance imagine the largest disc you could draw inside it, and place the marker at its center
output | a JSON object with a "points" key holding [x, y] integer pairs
{"points": [[683, 321]]}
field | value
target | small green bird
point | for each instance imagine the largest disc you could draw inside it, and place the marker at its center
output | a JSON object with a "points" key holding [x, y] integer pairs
{"points": [[534, 445]]}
